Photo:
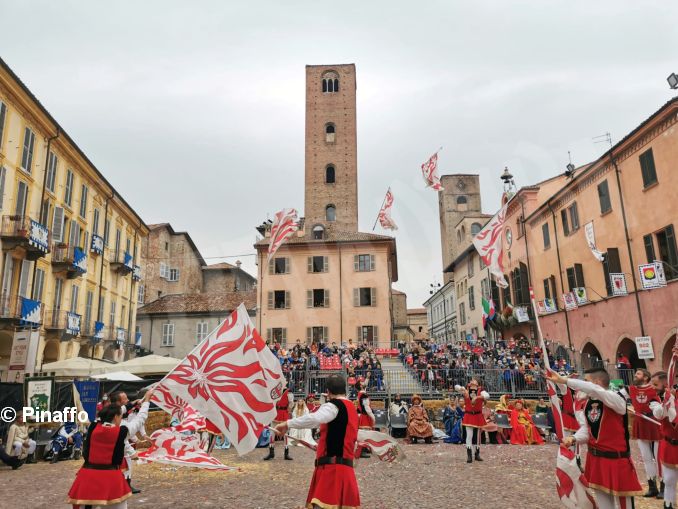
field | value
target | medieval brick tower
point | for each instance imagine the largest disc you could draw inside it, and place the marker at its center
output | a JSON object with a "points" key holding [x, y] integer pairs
{"points": [[331, 197]]}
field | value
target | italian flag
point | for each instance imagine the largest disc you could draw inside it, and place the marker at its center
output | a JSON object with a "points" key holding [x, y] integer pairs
{"points": [[488, 311]]}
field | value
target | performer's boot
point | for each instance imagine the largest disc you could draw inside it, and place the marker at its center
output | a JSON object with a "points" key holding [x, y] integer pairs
{"points": [[652, 490], [469, 455], [31, 458], [287, 454], [271, 454], [667, 505], [134, 490], [478, 458], [77, 454], [55, 457], [660, 495]]}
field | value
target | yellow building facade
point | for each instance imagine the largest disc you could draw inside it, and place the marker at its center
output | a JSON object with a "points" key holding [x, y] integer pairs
{"points": [[69, 272]]}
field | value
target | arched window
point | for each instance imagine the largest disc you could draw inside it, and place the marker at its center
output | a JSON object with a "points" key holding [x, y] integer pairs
{"points": [[329, 128], [475, 228], [330, 82], [318, 232], [458, 236], [461, 200], [331, 213], [329, 174], [329, 133]]}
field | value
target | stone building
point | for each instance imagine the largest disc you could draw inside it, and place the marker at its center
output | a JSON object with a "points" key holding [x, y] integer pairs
{"points": [[418, 323], [224, 277], [329, 282], [70, 244], [401, 326]]}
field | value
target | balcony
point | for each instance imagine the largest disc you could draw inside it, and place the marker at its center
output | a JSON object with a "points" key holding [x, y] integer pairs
{"points": [[122, 262], [62, 322], [117, 334], [93, 330], [24, 232], [20, 311], [71, 260]]}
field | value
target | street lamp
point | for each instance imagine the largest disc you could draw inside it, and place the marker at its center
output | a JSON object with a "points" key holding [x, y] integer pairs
{"points": [[673, 80]]}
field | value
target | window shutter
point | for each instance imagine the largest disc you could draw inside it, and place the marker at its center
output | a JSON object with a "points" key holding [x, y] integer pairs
{"points": [[327, 298], [3, 112], [287, 300], [288, 266], [309, 334], [309, 298], [571, 279], [24, 278], [271, 263], [579, 274], [373, 297], [649, 248], [574, 216], [284, 336], [326, 264], [268, 335], [270, 300], [356, 296], [309, 265], [358, 334], [614, 262], [566, 227], [3, 173], [524, 284], [375, 334], [356, 263], [372, 263], [58, 224]]}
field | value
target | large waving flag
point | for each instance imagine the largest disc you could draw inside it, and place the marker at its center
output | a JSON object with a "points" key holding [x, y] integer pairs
{"points": [[489, 242], [285, 223], [385, 219], [189, 419], [429, 170], [232, 379]]}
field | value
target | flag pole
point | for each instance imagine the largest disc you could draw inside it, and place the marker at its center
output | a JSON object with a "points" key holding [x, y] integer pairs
{"points": [[382, 206]]}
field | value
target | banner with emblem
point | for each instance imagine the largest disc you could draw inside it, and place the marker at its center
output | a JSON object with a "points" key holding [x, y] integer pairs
{"points": [[580, 296], [652, 275], [98, 332], [73, 324], [79, 260], [39, 236], [31, 311], [520, 313], [618, 283], [97, 244], [570, 301], [550, 306]]}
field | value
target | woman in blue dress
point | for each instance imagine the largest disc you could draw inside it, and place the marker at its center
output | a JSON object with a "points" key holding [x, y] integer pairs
{"points": [[452, 417]]}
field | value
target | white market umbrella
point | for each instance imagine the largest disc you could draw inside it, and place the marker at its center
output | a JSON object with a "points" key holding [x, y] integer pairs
{"points": [[148, 365], [118, 376], [77, 366]]}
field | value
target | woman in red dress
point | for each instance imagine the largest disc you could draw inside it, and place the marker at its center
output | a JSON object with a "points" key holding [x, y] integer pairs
{"points": [[100, 482], [524, 432]]}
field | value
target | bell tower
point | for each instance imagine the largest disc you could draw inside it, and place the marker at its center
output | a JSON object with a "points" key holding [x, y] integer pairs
{"points": [[331, 163]]}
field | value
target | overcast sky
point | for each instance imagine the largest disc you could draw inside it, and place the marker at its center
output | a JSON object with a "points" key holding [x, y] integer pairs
{"points": [[195, 110]]}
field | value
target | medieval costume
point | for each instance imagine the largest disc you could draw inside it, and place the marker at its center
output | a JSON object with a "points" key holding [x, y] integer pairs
{"points": [[283, 414], [334, 485], [209, 436], [68, 433], [134, 422], [524, 432], [474, 399], [366, 418], [609, 469], [19, 444], [646, 432], [418, 425], [668, 452], [452, 417], [300, 409], [504, 408], [100, 481]]}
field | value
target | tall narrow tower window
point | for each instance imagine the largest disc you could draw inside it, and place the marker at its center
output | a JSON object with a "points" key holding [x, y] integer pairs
{"points": [[330, 82], [331, 213], [329, 175], [329, 133]]}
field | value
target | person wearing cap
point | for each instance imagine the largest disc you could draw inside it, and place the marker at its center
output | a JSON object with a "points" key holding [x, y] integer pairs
{"points": [[524, 432], [418, 425], [474, 420]]}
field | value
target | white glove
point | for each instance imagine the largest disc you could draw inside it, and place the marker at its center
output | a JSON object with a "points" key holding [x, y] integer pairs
{"points": [[458, 388]]}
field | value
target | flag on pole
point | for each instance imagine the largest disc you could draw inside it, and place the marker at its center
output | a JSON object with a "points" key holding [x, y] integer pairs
{"points": [[232, 379], [669, 401], [385, 219], [188, 418], [429, 170], [285, 223], [488, 311], [489, 242]]}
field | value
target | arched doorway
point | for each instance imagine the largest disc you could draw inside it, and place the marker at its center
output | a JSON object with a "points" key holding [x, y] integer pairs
{"points": [[667, 352], [627, 348], [51, 351], [6, 341], [590, 356], [85, 351]]}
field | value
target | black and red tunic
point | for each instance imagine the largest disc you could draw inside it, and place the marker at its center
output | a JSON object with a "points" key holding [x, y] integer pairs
{"points": [[668, 448], [364, 419], [473, 411], [100, 480], [641, 397], [282, 406], [334, 484]]}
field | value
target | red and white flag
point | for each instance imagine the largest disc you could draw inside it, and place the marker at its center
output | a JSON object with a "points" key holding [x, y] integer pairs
{"points": [[285, 223], [489, 242], [171, 447], [189, 419], [384, 446], [385, 219], [429, 170], [232, 379]]}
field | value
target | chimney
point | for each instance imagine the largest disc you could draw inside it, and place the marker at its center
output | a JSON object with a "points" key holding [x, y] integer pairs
{"points": [[238, 263]]}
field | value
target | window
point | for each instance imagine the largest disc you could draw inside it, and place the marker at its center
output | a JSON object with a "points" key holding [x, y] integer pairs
{"points": [[521, 285], [21, 199], [331, 213], [364, 263], [570, 218], [611, 265], [575, 276], [173, 275], [330, 175], [649, 248], [50, 179], [89, 299], [164, 270], [318, 264], [462, 313], [95, 222], [520, 226], [317, 298], [475, 229], [472, 298], [3, 114], [39, 284], [166, 246], [68, 193], [647, 168], [546, 235], [167, 334], [317, 334], [279, 266], [3, 174], [201, 331], [83, 201], [107, 230], [279, 299], [318, 232], [102, 306], [367, 334], [563, 217], [469, 264], [58, 290], [505, 293], [484, 290], [74, 239], [277, 334], [118, 234], [462, 200], [141, 289], [75, 292], [329, 133], [112, 314], [604, 197], [44, 212], [666, 242], [27, 154], [365, 297], [330, 82]]}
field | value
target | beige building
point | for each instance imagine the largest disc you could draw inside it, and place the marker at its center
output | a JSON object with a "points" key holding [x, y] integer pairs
{"points": [[329, 282]]}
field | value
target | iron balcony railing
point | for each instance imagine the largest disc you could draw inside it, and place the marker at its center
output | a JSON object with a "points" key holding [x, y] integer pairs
{"points": [[17, 308], [27, 232]]}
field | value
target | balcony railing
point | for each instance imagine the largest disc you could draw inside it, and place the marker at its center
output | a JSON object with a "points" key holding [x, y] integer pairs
{"points": [[118, 334], [122, 262], [93, 330], [71, 259], [20, 309], [23, 231]]}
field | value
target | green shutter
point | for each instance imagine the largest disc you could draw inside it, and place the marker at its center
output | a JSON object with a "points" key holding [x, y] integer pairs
{"points": [[309, 334], [271, 264]]}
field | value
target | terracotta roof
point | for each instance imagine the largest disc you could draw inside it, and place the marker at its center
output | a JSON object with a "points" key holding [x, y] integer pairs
{"points": [[199, 303], [331, 235], [416, 311]]}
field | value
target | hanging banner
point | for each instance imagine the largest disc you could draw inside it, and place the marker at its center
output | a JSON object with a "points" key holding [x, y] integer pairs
{"points": [[79, 260], [73, 324], [550, 306], [644, 347], [98, 332], [89, 396], [618, 283], [652, 275], [570, 301], [39, 393], [591, 241], [521, 314], [580, 296], [541, 309], [97, 244], [39, 236]]}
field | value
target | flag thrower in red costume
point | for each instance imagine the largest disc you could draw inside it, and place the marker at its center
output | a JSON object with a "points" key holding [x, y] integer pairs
{"points": [[474, 399], [334, 483], [366, 418], [282, 407]]}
